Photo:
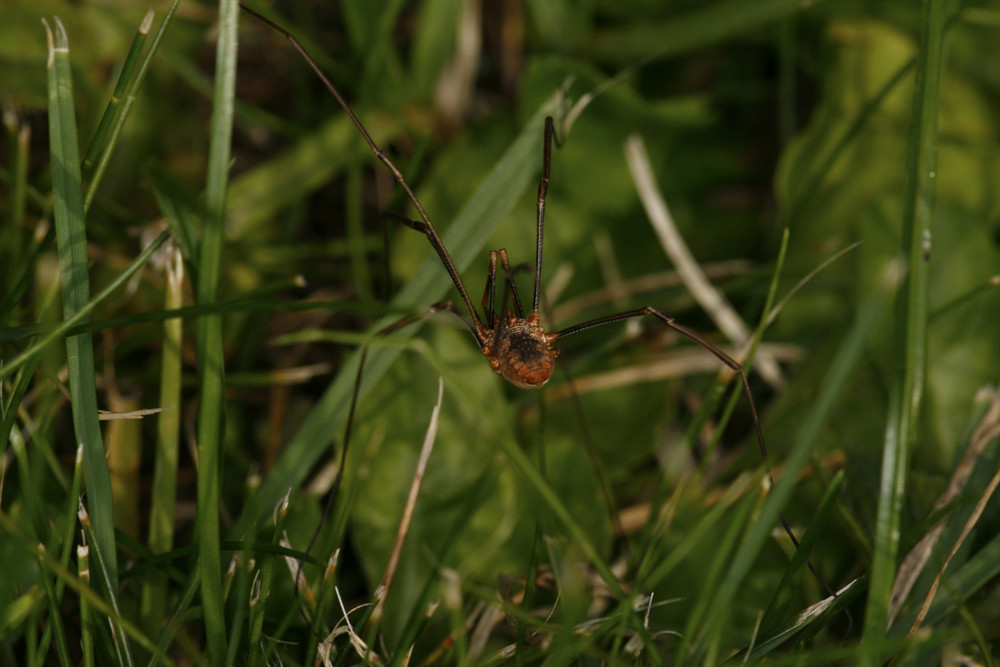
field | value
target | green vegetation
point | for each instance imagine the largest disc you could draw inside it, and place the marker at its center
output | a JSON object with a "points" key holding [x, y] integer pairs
{"points": [[192, 226]]}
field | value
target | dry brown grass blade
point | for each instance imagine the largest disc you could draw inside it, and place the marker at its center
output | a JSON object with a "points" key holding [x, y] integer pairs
{"points": [[411, 504], [676, 363], [913, 564], [711, 300]]}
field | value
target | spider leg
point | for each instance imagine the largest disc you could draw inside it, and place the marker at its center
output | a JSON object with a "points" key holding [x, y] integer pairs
{"points": [[432, 309], [424, 225], [505, 263], [335, 487], [489, 295], [543, 188], [722, 356]]}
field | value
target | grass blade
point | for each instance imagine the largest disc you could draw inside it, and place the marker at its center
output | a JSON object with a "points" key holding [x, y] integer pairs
{"points": [[164, 492], [117, 111], [911, 334], [72, 245], [211, 355], [708, 24], [102, 139], [411, 502]]}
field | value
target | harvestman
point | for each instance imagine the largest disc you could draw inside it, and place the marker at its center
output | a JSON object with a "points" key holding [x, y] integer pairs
{"points": [[517, 345]]}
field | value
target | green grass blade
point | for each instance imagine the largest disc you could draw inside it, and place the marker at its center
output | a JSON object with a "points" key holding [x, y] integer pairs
{"points": [[102, 136], [211, 355], [73, 264], [245, 303], [117, 111], [164, 492], [911, 335], [709, 24]]}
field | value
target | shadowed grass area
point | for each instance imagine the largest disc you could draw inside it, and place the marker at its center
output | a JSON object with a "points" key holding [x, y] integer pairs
{"points": [[220, 249]]}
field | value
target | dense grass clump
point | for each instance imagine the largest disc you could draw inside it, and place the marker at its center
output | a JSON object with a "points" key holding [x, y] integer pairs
{"points": [[196, 246]]}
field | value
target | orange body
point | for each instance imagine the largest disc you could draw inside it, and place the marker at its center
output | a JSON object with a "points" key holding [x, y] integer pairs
{"points": [[521, 351]]}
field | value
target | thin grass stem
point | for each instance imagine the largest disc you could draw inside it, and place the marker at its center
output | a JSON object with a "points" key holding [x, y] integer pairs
{"points": [[211, 353], [912, 311]]}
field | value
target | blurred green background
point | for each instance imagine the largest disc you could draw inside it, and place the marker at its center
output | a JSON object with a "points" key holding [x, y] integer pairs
{"points": [[758, 117]]}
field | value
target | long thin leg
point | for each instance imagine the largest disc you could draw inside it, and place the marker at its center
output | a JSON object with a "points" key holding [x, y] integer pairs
{"points": [[426, 227], [433, 308], [335, 488], [509, 279], [489, 294], [728, 361], [543, 188]]}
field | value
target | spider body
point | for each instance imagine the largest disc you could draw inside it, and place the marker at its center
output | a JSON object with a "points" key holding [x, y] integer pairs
{"points": [[520, 350]]}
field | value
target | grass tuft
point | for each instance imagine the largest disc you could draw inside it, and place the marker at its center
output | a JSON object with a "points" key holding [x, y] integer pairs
{"points": [[235, 245]]}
